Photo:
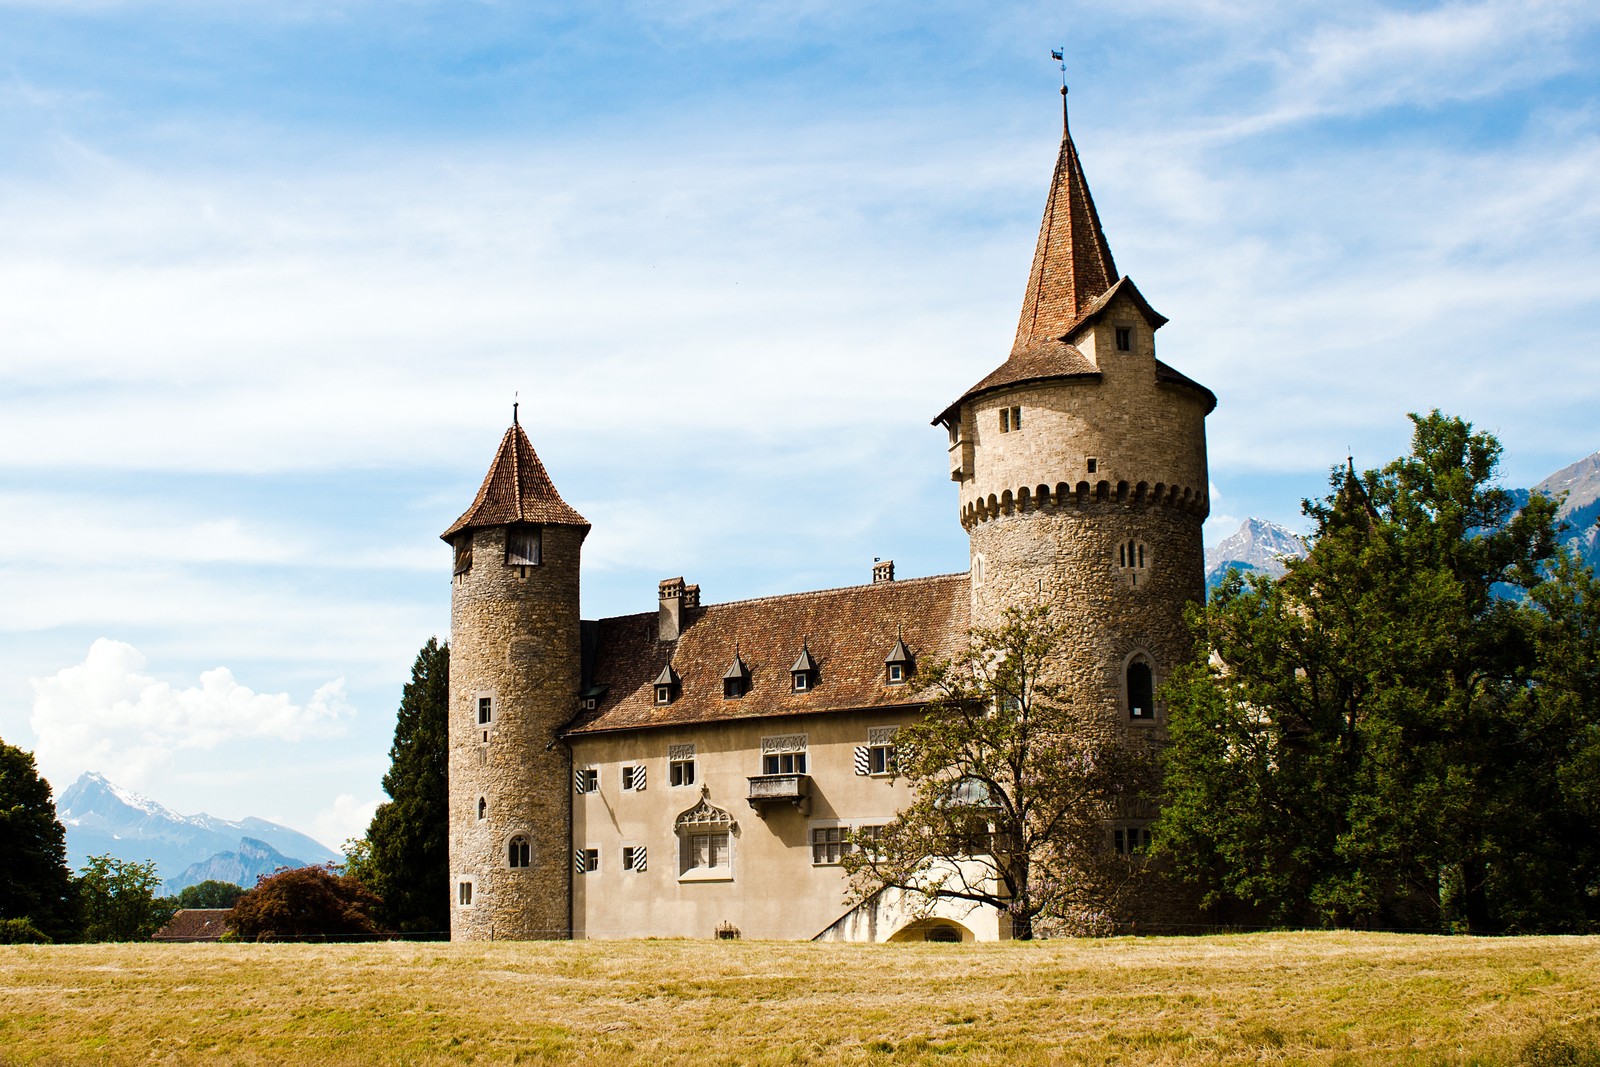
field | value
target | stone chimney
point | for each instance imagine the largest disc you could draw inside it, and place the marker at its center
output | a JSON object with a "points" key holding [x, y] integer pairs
{"points": [[883, 571], [669, 619]]}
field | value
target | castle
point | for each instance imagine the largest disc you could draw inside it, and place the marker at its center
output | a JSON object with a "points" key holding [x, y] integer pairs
{"points": [[695, 768]]}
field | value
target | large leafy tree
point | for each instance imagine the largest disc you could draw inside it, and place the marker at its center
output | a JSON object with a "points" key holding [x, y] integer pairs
{"points": [[209, 894], [37, 884], [405, 860], [1375, 739], [118, 900], [1014, 787], [304, 903]]}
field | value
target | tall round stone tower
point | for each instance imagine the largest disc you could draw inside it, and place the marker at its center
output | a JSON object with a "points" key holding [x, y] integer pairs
{"points": [[515, 669], [1081, 462]]}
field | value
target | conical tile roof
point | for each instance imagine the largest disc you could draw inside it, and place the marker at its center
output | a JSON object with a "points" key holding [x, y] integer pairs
{"points": [[516, 489], [1072, 262]]}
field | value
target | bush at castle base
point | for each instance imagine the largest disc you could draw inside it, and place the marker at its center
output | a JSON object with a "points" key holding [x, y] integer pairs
{"points": [[308, 903]]}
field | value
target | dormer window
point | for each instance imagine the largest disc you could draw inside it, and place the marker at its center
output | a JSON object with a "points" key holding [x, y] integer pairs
{"points": [[666, 685], [804, 671], [736, 680], [523, 546], [1010, 419], [897, 666], [1124, 338]]}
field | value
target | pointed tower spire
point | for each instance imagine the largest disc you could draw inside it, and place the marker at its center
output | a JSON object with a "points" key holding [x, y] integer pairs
{"points": [[1072, 263], [516, 489]]}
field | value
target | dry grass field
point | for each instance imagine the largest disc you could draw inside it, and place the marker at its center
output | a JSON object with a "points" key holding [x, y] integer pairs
{"points": [[1316, 998]]}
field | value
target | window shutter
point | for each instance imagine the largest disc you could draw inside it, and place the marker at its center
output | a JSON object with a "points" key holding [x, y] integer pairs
{"points": [[863, 760], [577, 781], [577, 861], [639, 861], [638, 778]]}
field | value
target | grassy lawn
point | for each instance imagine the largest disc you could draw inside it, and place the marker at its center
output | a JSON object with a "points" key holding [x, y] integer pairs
{"points": [[1334, 998]]}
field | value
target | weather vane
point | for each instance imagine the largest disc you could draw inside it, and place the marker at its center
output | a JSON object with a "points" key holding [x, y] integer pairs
{"points": [[1061, 54]]}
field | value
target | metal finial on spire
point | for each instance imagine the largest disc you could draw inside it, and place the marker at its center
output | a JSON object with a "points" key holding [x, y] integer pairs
{"points": [[1061, 55], [515, 403]]}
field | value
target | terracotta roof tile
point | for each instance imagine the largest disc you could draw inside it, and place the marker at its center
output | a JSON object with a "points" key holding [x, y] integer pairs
{"points": [[848, 632], [1072, 262], [516, 489], [193, 924]]}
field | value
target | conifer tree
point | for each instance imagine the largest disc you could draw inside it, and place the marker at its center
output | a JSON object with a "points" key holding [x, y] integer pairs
{"points": [[407, 858], [1378, 737], [37, 884]]}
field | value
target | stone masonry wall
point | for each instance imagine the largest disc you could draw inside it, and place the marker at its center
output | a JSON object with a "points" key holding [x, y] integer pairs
{"points": [[514, 637]]}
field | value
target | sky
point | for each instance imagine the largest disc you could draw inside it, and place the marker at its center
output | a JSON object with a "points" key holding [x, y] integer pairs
{"points": [[273, 273]]}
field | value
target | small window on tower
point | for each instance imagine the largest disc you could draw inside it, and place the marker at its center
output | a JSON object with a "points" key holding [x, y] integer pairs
{"points": [[485, 710], [1124, 338], [483, 809], [523, 546], [464, 894], [1010, 419], [1141, 691], [518, 851], [463, 548], [1094, 464]]}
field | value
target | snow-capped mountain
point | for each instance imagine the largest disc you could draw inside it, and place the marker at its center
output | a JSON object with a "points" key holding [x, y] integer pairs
{"points": [[1258, 545], [100, 818], [1581, 509]]}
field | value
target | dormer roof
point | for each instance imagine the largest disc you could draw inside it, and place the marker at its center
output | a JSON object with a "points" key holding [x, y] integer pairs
{"points": [[899, 653], [668, 676], [516, 489], [805, 664], [737, 671]]}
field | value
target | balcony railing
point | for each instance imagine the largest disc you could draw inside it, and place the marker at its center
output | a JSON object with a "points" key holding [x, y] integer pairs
{"points": [[767, 789]]}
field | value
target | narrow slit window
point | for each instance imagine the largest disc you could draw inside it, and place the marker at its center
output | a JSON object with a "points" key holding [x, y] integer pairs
{"points": [[1124, 338]]}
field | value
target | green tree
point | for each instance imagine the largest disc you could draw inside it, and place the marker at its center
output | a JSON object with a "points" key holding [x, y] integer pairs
{"points": [[310, 903], [1360, 742], [406, 862], [118, 900], [1013, 788], [37, 884], [210, 893]]}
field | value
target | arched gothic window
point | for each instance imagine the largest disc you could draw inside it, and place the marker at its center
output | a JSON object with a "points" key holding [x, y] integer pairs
{"points": [[518, 851]]}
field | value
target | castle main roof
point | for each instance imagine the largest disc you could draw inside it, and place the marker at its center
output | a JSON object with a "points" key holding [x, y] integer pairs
{"points": [[516, 489], [848, 632]]}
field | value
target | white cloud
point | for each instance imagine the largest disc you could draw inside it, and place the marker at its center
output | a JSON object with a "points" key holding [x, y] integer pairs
{"points": [[106, 714], [345, 818]]}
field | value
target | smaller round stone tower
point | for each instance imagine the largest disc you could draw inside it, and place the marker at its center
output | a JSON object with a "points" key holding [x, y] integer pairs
{"points": [[1081, 463], [515, 670]]}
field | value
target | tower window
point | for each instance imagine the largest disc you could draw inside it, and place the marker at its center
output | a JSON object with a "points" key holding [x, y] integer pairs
{"points": [[1133, 561], [483, 809], [1124, 338], [464, 894], [485, 710], [1141, 691], [1094, 464], [524, 546], [463, 548], [1131, 840], [518, 851], [1010, 419]]}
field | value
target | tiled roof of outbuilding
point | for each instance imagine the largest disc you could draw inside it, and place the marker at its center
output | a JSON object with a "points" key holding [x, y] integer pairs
{"points": [[193, 924], [516, 489], [847, 631]]}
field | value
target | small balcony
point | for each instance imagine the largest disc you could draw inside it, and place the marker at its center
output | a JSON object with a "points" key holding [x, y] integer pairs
{"points": [[769, 789]]}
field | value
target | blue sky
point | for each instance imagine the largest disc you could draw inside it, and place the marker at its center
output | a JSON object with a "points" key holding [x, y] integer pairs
{"points": [[272, 272]]}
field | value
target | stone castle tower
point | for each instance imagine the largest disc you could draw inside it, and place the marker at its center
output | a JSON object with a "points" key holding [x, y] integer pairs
{"points": [[515, 665], [1081, 462]]}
